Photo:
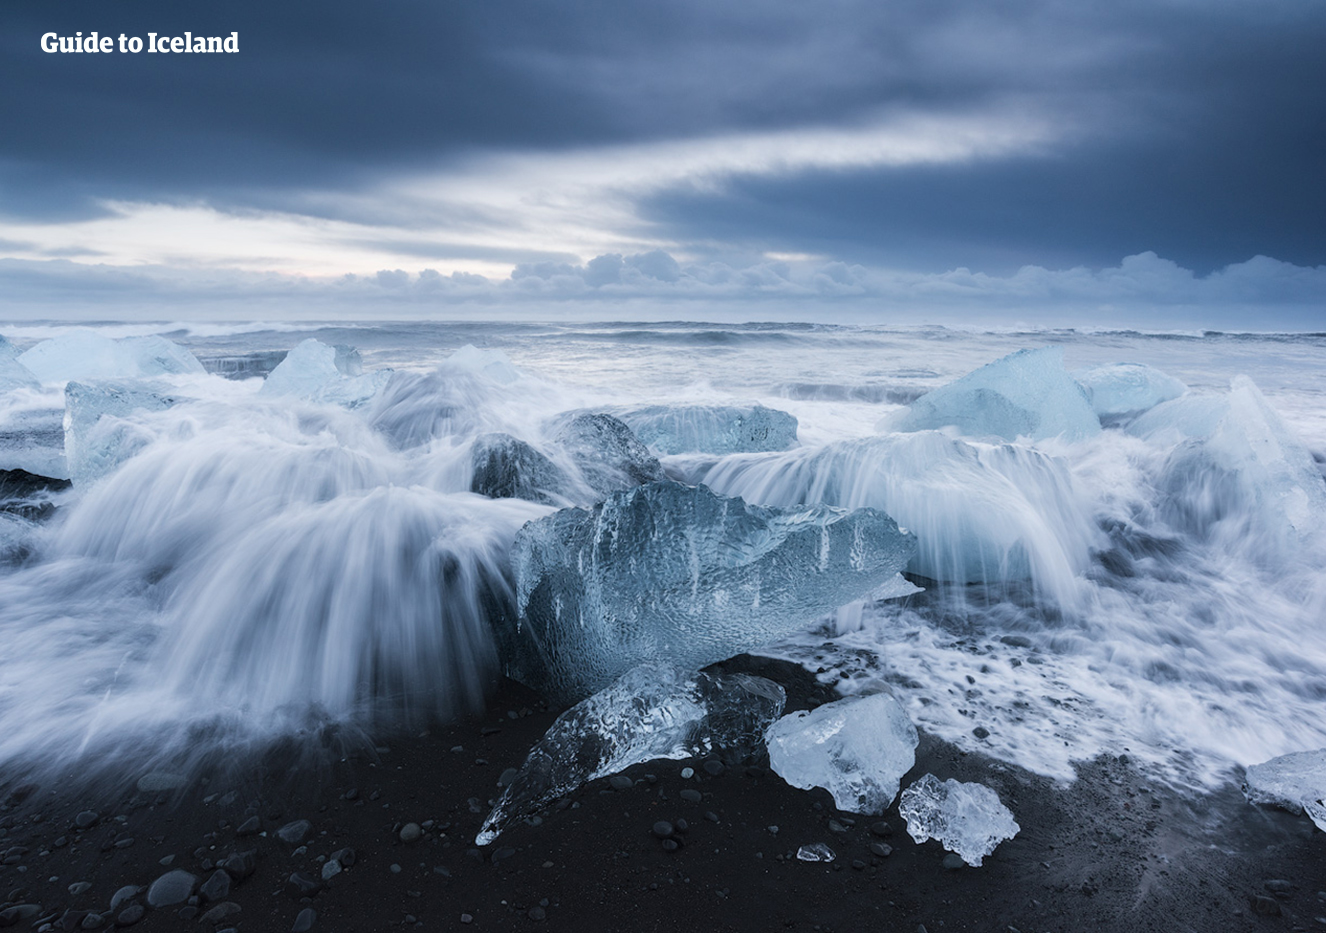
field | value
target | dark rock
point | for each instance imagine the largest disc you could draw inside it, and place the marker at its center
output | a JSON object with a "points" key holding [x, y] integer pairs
{"points": [[249, 827], [217, 887], [537, 913], [124, 894], [301, 885], [130, 915], [621, 782], [506, 467], [93, 921], [86, 819], [294, 832], [239, 865], [411, 832], [713, 766], [187, 912], [507, 777], [881, 829], [79, 887], [663, 829], [691, 794], [345, 856], [981, 732], [18, 913], [671, 845], [304, 921], [221, 912], [174, 887], [953, 861], [1278, 886], [1266, 906]]}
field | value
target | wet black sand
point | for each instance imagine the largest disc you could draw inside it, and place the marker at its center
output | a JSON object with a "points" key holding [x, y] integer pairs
{"points": [[1112, 852]]}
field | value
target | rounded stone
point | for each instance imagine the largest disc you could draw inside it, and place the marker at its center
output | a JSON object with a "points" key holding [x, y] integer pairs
{"points": [[663, 829], [174, 887], [130, 915], [304, 922], [411, 832]]}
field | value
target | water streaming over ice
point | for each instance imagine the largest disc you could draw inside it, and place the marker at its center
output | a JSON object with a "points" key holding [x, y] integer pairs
{"points": [[255, 562]]}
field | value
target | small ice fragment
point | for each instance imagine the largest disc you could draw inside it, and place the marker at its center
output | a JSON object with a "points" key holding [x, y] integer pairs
{"points": [[816, 852], [719, 429], [858, 749], [673, 572], [1025, 394], [966, 818], [1296, 782], [1123, 390], [652, 711], [320, 373]]}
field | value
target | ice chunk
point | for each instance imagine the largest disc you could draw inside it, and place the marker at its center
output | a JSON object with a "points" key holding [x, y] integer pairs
{"points": [[606, 452], [719, 429], [15, 539], [1025, 394], [13, 374], [332, 375], [966, 818], [980, 512], [7, 350], [1242, 476], [1191, 416], [1296, 781], [857, 749], [32, 438], [1123, 390], [816, 852], [673, 572], [98, 436], [245, 366], [29, 495], [506, 467], [652, 711], [87, 355], [492, 364]]}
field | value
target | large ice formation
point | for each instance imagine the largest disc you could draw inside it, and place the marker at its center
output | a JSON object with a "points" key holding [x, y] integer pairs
{"points": [[857, 749], [718, 429], [608, 455], [1025, 394], [652, 711], [88, 356], [966, 818], [1122, 390], [1296, 781], [673, 572], [98, 434], [1238, 474], [321, 373], [980, 512]]}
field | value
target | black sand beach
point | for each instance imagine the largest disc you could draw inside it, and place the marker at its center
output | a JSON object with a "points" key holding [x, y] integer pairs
{"points": [[1112, 852]]}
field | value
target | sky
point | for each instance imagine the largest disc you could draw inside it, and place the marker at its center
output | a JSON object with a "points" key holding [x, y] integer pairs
{"points": [[1146, 164]]}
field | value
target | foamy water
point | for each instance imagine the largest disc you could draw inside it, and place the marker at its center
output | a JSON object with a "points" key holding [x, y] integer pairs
{"points": [[263, 565]]}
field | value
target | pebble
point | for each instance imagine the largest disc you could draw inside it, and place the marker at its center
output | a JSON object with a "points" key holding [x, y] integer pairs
{"points": [[294, 832], [240, 864], [123, 894], [304, 922], [671, 845], [18, 913], [621, 782], [1278, 886], [411, 832], [836, 827], [330, 869], [881, 829], [537, 913], [345, 856], [713, 766], [219, 913], [1266, 906], [302, 884], [93, 922], [466, 918], [130, 915], [882, 849], [508, 777], [395, 869], [79, 887], [981, 732], [691, 794], [248, 827], [663, 829], [953, 861], [217, 887], [711, 816], [687, 773], [86, 819]]}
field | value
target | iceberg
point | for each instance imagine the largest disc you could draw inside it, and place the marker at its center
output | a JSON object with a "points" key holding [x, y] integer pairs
{"points": [[1125, 390], [980, 512], [1296, 782], [98, 436], [966, 818], [718, 429], [321, 373], [506, 467], [1237, 473], [1025, 394], [88, 356], [607, 454], [677, 573], [652, 711], [857, 749]]}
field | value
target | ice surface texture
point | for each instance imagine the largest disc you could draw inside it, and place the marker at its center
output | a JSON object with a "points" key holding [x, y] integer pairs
{"points": [[656, 710], [1025, 394], [13, 374], [607, 453], [1296, 781], [857, 749], [98, 436], [718, 429], [506, 467], [86, 355], [335, 375], [966, 818], [1122, 390], [673, 572], [1238, 475], [980, 512]]}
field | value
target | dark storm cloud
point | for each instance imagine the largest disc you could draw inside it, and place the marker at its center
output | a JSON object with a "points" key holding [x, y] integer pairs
{"points": [[1196, 128]]}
